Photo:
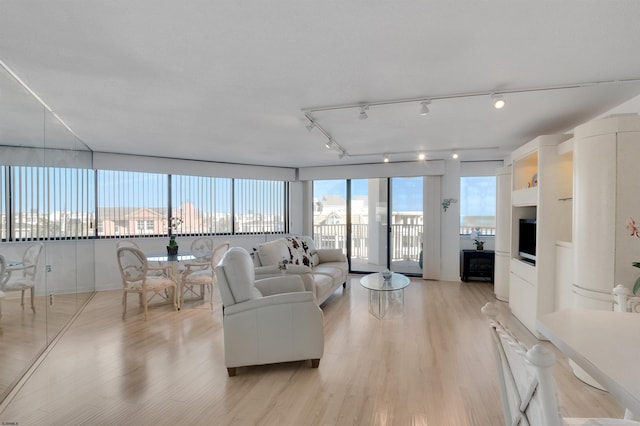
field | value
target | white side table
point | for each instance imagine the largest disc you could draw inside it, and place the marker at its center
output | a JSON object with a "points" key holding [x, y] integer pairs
{"points": [[386, 297]]}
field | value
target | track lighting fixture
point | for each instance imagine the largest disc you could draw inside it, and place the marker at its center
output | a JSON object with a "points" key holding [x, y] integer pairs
{"points": [[310, 126], [328, 144], [385, 159], [363, 112], [498, 101], [424, 109]]}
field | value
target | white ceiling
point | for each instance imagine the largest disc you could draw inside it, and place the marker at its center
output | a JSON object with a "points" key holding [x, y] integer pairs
{"points": [[227, 81]]}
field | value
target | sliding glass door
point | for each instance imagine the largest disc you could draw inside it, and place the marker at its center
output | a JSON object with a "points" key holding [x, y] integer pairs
{"points": [[369, 225], [382, 226], [406, 225]]}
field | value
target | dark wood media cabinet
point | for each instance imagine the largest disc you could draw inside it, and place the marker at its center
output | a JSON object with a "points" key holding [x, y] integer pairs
{"points": [[476, 264]]}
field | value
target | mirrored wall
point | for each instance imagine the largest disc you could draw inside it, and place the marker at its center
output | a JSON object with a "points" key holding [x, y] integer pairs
{"points": [[45, 186]]}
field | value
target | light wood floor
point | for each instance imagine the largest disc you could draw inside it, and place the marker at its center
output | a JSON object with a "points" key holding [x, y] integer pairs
{"points": [[24, 334], [432, 367]]}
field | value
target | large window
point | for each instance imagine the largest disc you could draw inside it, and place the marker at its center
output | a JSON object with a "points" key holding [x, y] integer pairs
{"points": [[330, 213], [132, 203], [50, 202], [203, 204], [478, 205], [259, 206], [54, 203]]}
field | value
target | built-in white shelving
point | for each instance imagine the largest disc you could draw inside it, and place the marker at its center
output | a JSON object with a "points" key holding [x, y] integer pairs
{"points": [[538, 172]]}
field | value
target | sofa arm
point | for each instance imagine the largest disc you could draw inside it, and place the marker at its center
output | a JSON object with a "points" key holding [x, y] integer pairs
{"points": [[278, 285], [276, 299], [331, 255]]}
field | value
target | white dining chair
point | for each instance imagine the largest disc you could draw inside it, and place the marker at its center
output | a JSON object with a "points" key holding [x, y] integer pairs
{"points": [[527, 387], [22, 277], [201, 274], [136, 278]]}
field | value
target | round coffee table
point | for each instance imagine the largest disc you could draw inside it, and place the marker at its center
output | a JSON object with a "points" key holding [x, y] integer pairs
{"points": [[386, 297]]}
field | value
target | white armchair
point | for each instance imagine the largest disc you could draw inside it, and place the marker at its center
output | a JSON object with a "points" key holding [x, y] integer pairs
{"points": [[266, 321]]}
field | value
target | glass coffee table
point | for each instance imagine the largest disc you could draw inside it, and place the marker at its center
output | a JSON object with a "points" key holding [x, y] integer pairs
{"points": [[386, 297]]}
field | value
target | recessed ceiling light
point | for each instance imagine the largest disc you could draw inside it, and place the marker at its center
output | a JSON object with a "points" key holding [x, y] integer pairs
{"points": [[421, 156], [498, 101], [385, 159], [454, 155]]}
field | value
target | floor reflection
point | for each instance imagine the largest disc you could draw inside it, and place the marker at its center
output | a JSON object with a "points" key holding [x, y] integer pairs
{"points": [[24, 335]]}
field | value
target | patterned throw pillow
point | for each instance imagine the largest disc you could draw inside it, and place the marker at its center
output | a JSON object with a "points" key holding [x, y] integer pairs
{"points": [[299, 252]]}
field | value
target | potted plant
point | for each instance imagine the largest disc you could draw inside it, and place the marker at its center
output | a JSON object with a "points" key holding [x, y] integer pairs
{"points": [[174, 224], [477, 241]]}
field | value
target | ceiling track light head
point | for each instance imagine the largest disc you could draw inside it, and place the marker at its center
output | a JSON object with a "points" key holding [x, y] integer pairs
{"points": [[498, 101], [424, 107], [310, 126], [363, 112]]}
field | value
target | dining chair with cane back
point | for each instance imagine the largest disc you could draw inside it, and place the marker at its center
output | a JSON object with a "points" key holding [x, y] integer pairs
{"points": [[137, 278], [202, 274]]}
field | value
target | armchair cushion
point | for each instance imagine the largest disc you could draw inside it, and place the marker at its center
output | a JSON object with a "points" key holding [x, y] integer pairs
{"points": [[273, 300], [278, 285]]}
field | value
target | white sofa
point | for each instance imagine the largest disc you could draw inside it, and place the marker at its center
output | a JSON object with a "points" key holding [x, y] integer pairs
{"points": [[266, 321], [321, 270]]}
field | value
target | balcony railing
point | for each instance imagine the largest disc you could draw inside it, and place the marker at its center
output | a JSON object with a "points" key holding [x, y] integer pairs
{"points": [[405, 240]]}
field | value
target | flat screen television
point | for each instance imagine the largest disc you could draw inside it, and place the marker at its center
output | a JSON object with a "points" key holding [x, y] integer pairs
{"points": [[527, 242]]}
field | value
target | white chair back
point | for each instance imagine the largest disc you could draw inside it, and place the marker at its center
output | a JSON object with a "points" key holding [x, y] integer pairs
{"points": [[202, 248], [218, 252], [133, 265], [236, 277], [30, 260], [126, 243], [527, 387]]}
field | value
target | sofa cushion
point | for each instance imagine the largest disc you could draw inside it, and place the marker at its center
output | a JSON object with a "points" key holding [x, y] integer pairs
{"points": [[273, 252], [336, 272], [323, 285]]}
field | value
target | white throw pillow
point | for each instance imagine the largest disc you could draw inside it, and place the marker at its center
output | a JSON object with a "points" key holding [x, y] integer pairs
{"points": [[273, 252]]}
